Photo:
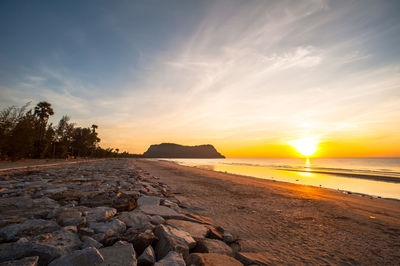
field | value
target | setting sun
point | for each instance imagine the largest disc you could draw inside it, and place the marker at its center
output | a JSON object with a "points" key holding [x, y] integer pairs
{"points": [[306, 147]]}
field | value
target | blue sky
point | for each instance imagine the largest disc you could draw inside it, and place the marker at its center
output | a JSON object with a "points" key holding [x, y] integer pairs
{"points": [[221, 72]]}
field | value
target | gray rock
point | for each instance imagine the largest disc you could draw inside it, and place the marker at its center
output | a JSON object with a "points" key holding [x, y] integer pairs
{"points": [[27, 261], [87, 256], [90, 242], [148, 257], [136, 220], [112, 227], [46, 246], [120, 254], [140, 241], [163, 211], [84, 231], [148, 201], [157, 219], [197, 231], [171, 259], [213, 246], [200, 259], [172, 239], [30, 227], [99, 214]]}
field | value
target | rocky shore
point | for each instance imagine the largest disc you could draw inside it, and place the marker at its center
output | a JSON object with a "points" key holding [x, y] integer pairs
{"points": [[105, 213]]}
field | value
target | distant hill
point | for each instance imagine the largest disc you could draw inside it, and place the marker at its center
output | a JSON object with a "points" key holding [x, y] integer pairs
{"points": [[171, 150]]}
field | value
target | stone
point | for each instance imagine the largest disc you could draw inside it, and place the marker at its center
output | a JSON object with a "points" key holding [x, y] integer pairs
{"points": [[115, 225], [172, 239], [253, 258], [211, 259], [87, 256], [148, 257], [90, 242], [213, 246], [228, 237], [120, 201], [163, 211], [100, 214], [27, 261], [171, 259], [157, 219], [71, 228], [121, 253], [29, 227], [47, 246], [85, 231], [142, 240], [197, 231], [148, 200], [71, 217], [214, 233], [136, 220]]}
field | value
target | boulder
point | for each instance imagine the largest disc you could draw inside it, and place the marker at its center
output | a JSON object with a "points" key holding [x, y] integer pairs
{"points": [[213, 246], [171, 259], [157, 219], [71, 217], [46, 246], [211, 259], [121, 253], [120, 201], [142, 240], [148, 200], [99, 214], [90, 242], [27, 261], [29, 227], [253, 258], [172, 239], [112, 227], [148, 257], [163, 211], [197, 231], [136, 220], [87, 256]]}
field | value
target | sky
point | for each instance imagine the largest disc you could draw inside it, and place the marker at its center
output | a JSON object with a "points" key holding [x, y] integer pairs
{"points": [[249, 77]]}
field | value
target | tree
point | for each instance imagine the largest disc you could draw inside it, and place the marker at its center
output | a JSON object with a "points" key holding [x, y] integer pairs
{"points": [[43, 111]]}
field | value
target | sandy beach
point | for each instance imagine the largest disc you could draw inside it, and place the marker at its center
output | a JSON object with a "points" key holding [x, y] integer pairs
{"points": [[289, 223]]}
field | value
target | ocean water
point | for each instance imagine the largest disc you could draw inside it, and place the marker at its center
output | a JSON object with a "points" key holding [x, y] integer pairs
{"points": [[378, 177]]}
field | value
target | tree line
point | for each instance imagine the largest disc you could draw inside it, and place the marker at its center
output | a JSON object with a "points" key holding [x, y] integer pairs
{"points": [[27, 133]]}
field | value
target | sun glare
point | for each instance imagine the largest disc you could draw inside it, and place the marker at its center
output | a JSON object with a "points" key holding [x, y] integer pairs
{"points": [[306, 147]]}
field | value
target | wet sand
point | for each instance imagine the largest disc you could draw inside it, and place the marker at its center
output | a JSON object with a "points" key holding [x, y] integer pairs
{"points": [[289, 223]]}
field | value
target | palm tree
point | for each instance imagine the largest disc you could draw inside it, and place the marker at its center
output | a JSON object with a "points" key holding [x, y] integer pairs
{"points": [[43, 111]]}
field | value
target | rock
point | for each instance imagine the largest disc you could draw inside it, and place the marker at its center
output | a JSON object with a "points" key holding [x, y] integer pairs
{"points": [[172, 239], [100, 214], [210, 259], [213, 246], [46, 246], [71, 217], [27, 261], [228, 237], [124, 202], [121, 253], [90, 242], [112, 227], [253, 258], [29, 227], [157, 219], [84, 231], [120, 201], [171, 259], [148, 200], [87, 256], [148, 257], [71, 228], [214, 233], [197, 231], [136, 220], [142, 240], [163, 211]]}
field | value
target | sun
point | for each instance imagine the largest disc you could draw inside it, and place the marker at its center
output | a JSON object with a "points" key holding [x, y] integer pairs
{"points": [[306, 146]]}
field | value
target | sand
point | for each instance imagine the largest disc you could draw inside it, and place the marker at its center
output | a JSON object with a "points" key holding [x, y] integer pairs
{"points": [[289, 223]]}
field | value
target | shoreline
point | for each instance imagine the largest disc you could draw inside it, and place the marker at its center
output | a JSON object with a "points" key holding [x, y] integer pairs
{"points": [[291, 223]]}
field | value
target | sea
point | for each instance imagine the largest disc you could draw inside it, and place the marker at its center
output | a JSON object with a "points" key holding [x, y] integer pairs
{"points": [[377, 177]]}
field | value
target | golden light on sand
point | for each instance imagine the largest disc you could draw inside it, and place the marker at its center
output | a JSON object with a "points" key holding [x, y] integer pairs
{"points": [[305, 147]]}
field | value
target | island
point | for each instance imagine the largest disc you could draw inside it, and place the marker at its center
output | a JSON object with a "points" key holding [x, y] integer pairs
{"points": [[172, 150]]}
